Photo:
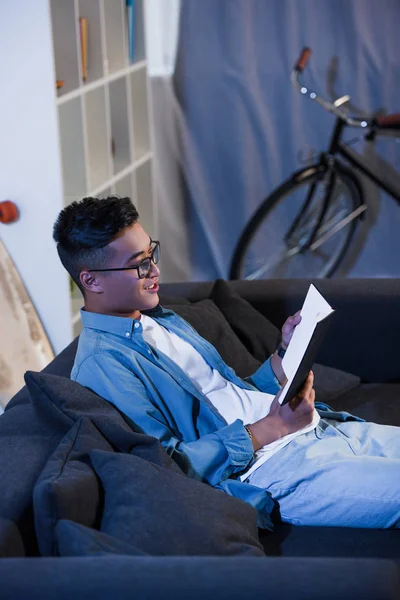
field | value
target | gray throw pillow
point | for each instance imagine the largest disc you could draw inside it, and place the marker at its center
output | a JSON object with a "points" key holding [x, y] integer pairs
{"points": [[162, 512], [206, 318], [68, 487], [73, 401], [74, 539]]}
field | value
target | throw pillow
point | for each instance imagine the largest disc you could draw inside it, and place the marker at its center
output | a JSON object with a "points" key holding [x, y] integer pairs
{"points": [[161, 512], [255, 331], [261, 337], [206, 318], [74, 539], [27, 440], [68, 487], [74, 401]]}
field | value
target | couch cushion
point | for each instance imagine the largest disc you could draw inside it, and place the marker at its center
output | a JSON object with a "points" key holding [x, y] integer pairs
{"points": [[74, 539], [261, 337], [11, 544], [68, 487], [210, 323], [162, 512], [292, 540], [374, 402]]}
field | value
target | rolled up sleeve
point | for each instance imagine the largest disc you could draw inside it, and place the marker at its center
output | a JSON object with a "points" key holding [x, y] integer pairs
{"points": [[264, 379]]}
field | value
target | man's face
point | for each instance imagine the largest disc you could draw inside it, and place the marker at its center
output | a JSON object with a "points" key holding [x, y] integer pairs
{"points": [[123, 292]]}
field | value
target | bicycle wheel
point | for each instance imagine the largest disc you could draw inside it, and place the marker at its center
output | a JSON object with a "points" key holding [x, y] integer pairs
{"points": [[275, 243]]}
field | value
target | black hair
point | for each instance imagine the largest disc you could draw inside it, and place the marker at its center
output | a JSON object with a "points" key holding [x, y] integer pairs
{"points": [[84, 229]]}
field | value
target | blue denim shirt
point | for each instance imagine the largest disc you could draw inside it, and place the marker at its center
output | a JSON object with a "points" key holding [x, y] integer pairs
{"points": [[158, 398]]}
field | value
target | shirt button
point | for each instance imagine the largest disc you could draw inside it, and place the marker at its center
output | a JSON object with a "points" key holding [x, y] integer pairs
{"points": [[149, 351], [137, 325], [127, 334]]}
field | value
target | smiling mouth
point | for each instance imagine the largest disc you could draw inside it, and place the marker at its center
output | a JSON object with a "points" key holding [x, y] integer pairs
{"points": [[151, 287]]}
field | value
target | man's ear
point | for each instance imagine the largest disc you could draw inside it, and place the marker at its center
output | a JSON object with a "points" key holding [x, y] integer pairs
{"points": [[90, 282]]}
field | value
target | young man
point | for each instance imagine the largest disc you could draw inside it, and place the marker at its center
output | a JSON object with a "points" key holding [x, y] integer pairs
{"points": [[172, 384]]}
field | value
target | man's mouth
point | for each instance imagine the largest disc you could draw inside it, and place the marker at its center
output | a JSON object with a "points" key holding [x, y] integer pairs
{"points": [[152, 287]]}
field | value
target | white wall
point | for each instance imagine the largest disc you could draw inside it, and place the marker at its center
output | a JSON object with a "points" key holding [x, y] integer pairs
{"points": [[30, 173]]}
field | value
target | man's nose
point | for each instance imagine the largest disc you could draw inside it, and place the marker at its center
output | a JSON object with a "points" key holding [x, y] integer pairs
{"points": [[155, 270]]}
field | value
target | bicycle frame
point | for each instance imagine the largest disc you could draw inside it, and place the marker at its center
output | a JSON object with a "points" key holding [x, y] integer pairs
{"points": [[337, 146]]}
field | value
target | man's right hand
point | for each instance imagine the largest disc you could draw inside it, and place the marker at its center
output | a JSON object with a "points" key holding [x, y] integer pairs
{"points": [[282, 420]]}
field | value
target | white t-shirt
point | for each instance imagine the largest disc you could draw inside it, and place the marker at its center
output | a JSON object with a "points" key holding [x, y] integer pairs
{"points": [[230, 401]]}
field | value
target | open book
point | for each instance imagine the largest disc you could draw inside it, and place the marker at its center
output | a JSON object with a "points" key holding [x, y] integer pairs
{"points": [[316, 316]]}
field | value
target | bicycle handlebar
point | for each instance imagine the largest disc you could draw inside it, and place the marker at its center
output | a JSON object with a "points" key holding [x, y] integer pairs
{"points": [[303, 59], [332, 107]]}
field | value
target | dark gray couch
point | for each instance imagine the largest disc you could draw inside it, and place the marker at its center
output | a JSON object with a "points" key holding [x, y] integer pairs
{"points": [[363, 377]]}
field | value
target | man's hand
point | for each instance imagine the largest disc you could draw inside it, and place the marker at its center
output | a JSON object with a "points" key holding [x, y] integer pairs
{"points": [[282, 420], [288, 328], [287, 332]]}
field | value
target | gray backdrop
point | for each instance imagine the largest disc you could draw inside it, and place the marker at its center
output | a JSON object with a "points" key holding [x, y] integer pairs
{"points": [[247, 129]]}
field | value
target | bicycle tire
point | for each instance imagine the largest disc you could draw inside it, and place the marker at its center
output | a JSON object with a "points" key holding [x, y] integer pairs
{"points": [[307, 176]]}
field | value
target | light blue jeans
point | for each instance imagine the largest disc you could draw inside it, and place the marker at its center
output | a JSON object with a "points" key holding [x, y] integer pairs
{"points": [[340, 474]]}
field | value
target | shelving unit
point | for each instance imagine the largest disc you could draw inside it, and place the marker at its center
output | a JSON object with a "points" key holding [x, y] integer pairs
{"points": [[104, 128]]}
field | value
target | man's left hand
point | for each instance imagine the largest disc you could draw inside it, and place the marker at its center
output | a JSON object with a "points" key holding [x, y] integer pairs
{"points": [[289, 327]]}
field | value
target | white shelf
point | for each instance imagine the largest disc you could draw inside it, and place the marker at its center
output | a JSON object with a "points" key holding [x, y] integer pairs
{"points": [[105, 193], [140, 46], [91, 10], [72, 150], [104, 125], [137, 66], [114, 27], [98, 142], [110, 184], [144, 195], [123, 187], [65, 44], [140, 113], [121, 151]]}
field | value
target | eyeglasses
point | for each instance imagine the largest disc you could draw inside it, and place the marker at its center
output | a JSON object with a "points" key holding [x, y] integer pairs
{"points": [[144, 267]]}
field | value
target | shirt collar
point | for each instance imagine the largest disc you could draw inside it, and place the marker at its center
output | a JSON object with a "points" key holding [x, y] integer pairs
{"points": [[122, 326]]}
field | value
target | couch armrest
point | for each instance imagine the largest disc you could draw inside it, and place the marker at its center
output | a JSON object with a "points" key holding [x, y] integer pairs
{"points": [[232, 578]]}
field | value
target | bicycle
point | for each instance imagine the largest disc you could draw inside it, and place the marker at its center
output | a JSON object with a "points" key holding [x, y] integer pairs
{"points": [[309, 221]]}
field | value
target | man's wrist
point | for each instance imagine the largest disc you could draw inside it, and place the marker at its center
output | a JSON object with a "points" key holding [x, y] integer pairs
{"points": [[266, 431], [281, 350], [276, 366]]}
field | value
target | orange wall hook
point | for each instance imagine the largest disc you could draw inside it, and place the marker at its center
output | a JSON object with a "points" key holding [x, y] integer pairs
{"points": [[8, 212]]}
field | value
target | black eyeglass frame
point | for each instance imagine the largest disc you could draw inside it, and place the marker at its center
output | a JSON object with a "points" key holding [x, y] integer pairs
{"points": [[149, 258]]}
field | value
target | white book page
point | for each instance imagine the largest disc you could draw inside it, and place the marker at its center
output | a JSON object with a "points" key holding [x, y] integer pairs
{"points": [[314, 309]]}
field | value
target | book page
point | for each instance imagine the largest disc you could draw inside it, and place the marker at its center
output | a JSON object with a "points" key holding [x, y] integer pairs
{"points": [[314, 309]]}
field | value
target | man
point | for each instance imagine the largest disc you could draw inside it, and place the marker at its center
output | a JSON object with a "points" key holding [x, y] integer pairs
{"points": [[172, 384]]}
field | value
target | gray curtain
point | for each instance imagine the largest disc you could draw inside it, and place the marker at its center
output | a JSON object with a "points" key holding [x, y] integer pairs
{"points": [[246, 129]]}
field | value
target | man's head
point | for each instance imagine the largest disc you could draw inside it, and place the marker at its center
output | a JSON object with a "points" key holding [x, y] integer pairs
{"points": [[98, 241]]}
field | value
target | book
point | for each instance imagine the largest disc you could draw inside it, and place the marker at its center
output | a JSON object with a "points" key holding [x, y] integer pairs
{"points": [[316, 316], [83, 28], [130, 9]]}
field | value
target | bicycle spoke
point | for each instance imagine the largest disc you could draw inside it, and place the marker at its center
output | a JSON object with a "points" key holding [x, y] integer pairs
{"points": [[323, 255], [273, 262], [356, 213]]}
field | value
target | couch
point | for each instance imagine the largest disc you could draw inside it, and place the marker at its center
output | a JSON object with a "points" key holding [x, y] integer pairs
{"points": [[88, 505]]}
